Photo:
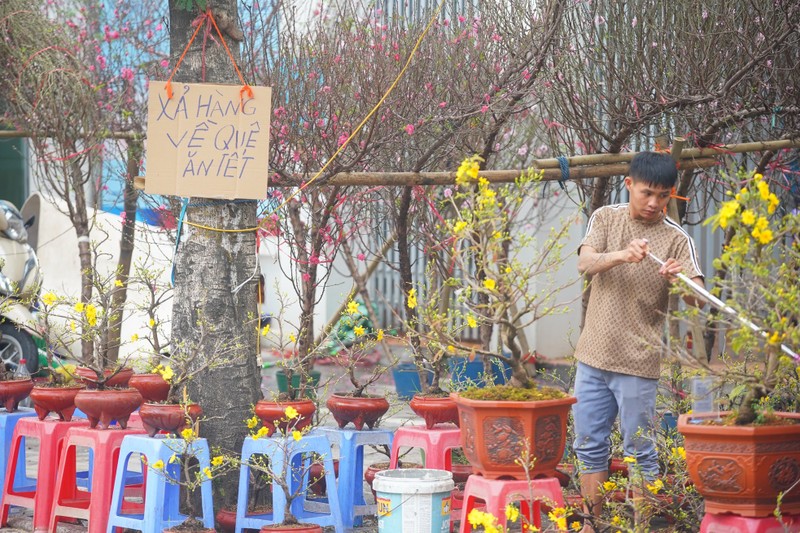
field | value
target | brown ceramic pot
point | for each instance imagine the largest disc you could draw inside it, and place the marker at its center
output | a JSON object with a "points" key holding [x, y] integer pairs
{"points": [[14, 391], [152, 387], [369, 473], [435, 409], [495, 435], [87, 376], [358, 410], [103, 406], [460, 472], [274, 413], [58, 400], [169, 417], [294, 528], [742, 469]]}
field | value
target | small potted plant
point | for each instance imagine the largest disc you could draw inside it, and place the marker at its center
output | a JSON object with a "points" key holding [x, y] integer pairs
{"points": [[183, 469], [352, 349], [504, 284], [746, 460], [285, 475]]}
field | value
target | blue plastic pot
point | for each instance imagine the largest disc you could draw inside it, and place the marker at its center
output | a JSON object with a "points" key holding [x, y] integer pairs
{"points": [[465, 373], [406, 380]]}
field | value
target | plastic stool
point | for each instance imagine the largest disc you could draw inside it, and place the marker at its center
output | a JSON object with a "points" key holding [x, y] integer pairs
{"points": [[51, 433], [68, 501], [435, 442], [497, 493], [278, 450], [8, 421], [161, 498], [729, 523], [351, 468]]}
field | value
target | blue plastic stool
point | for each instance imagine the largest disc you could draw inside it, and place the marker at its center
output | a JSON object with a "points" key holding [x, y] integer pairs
{"points": [[278, 450], [351, 468], [161, 498], [8, 421]]}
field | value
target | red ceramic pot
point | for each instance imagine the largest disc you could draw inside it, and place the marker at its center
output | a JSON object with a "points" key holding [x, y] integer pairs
{"points": [[460, 472], [358, 410], [435, 409], [316, 477], [169, 417], [88, 377], [743, 469], [14, 391], [226, 520], [103, 406], [495, 434], [58, 400], [273, 414], [152, 387]]}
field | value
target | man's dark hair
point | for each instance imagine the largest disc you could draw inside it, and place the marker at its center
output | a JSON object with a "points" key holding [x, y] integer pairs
{"points": [[654, 168]]}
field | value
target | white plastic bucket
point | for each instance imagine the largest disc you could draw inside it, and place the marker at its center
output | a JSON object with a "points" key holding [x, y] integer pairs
{"points": [[414, 500]]}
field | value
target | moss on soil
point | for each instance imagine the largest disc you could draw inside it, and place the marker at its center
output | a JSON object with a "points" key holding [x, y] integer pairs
{"points": [[515, 394]]}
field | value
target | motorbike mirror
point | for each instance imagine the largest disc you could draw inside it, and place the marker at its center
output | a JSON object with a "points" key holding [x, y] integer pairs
{"points": [[30, 222]]}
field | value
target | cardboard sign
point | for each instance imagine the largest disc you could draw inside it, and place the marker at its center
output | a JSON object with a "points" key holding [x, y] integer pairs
{"points": [[207, 142]]}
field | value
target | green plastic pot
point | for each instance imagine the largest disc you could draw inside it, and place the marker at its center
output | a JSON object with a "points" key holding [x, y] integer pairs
{"points": [[311, 391]]}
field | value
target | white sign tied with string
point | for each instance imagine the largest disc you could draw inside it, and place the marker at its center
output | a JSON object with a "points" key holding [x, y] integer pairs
{"points": [[209, 141]]}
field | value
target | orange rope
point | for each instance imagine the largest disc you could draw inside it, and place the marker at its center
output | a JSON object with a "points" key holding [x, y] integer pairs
{"points": [[209, 15], [246, 88]]}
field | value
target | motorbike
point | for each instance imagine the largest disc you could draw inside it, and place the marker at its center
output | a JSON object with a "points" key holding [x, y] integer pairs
{"points": [[20, 280]]}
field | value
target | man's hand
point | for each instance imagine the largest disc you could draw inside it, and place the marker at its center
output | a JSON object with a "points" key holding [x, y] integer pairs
{"points": [[670, 269], [636, 251]]}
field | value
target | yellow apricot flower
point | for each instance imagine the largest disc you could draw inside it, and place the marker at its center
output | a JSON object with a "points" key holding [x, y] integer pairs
{"points": [[379, 335], [656, 486], [489, 284], [412, 298], [468, 170], [763, 190], [512, 513], [616, 520], [629, 460], [359, 330], [252, 422], [576, 526], [49, 298], [292, 337], [265, 330], [608, 486], [91, 314], [118, 283], [352, 307], [207, 472], [459, 226], [727, 211], [748, 217], [297, 435], [158, 465], [291, 413], [188, 434], [471, 322], [134, 337], [217, 461], [559, 517], [79, 307], [261, 433]]}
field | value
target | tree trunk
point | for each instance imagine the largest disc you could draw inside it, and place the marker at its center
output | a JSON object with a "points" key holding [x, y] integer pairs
{"points": [[209, 265]]}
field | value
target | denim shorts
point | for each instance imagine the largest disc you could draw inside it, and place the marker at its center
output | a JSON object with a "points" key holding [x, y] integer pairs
{"points": [[601, 396]]}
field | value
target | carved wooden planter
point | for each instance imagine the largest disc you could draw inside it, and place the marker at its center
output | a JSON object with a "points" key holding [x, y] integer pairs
{"points": [[495, 435], [741, 469]]}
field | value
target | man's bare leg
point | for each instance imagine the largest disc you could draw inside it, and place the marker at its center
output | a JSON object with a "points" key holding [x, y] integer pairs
{"points": [[592, 496]]}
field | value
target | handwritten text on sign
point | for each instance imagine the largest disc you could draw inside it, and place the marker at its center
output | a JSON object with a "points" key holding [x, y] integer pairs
{"points": [[205, 141]]}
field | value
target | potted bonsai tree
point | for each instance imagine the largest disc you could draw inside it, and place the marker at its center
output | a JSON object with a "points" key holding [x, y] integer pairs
{"points": [[502, 281], [746, 461]]}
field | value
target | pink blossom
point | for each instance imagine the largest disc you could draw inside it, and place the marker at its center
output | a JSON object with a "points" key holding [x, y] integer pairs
{"points": [[101, 60], [410, 129], [326, 89], [442, 105], [397, 57], [165, 63], [361, 257], [448, 192], [496, 38], [461, 19], [523, 151], [526, 75], [296, 156], [306, 276], [484, 108], [126, 74], [343, 138], [159, 27]]}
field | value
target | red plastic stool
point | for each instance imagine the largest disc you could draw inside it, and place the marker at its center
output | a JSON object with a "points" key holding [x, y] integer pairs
{"points": [[729, 523], [497, 493], [94, 506], [51, 433], [435, 442]]}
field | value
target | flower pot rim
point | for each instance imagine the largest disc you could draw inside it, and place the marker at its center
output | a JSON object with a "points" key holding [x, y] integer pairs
{"points": [[566, 400], [286, 402], [55, 386], [687, 427], [349, 395]]}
